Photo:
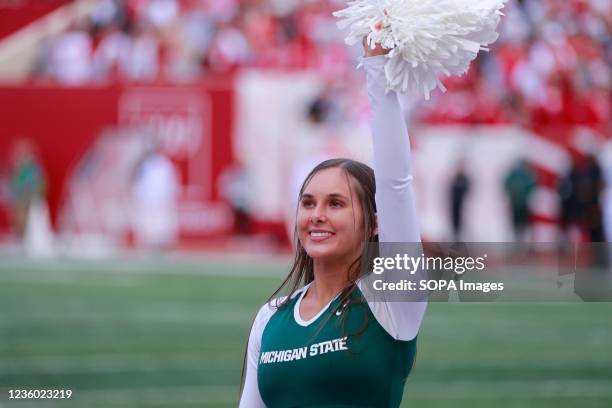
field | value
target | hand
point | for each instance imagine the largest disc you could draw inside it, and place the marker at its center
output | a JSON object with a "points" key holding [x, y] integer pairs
{"points": [[369, 52]]}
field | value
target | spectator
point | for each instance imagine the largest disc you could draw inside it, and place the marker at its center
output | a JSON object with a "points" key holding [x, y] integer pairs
{"points": [[27, 183], [582, 192], [607, 199], [234, 188], [459, 190], [519, 185], [112, 55], [155, 193], [71, 57]]}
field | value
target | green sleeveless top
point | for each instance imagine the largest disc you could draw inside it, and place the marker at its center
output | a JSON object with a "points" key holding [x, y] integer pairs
{"points": [[342, 357]]}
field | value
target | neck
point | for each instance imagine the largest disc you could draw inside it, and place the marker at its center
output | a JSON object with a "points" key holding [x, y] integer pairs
{"points": [[329, 280]]}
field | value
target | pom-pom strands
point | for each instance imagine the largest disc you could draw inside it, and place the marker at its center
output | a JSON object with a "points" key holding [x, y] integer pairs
{"points": [[426, 37]]}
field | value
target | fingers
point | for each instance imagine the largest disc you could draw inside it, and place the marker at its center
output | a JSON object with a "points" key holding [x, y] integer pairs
{"points": [[371, 52]]}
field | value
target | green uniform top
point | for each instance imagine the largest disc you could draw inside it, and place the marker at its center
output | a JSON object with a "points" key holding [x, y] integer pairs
{"points": [[320, 363]]}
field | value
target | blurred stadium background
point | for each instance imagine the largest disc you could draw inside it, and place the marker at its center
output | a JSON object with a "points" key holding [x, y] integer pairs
{"points": [[150, 153]]}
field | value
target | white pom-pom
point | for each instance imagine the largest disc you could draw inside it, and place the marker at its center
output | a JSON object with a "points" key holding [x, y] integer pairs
{"points": [[426, 37]]}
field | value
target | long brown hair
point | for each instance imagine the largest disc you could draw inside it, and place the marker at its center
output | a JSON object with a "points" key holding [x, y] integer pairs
{"points": [[361, 177]]}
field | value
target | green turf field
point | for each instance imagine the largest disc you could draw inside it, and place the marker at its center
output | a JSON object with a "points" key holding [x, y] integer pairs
{"points": [[167, 333]]}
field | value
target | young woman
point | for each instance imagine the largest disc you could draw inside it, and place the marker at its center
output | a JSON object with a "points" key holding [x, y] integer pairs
{"points": [[324, 344]]}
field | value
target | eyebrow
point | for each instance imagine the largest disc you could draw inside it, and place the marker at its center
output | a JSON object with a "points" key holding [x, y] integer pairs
{"points": [[332, 195]]}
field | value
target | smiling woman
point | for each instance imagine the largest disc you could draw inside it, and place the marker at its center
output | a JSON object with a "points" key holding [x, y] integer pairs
{"points": [[325, 344]]}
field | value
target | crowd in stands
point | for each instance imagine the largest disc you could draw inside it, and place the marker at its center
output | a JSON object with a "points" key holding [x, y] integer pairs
{"points": [[550, 65], [552, 59], [179, 41]]}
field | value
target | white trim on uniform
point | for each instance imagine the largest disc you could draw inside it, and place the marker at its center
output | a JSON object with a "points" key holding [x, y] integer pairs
{"points": [[296, 308]]}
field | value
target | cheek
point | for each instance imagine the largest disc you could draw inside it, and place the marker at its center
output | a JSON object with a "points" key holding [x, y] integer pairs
{"points": [[301, 222], [352, 226], [300, 218]]}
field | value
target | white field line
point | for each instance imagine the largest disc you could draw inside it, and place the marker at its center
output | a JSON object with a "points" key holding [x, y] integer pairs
{"points": [[230, 267], [112, 363], [115, 363], [131, 320], [217, 313], [64, 278]]}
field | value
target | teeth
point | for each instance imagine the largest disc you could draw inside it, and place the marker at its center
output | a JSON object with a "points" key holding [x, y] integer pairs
{"points": [[320, 234]]}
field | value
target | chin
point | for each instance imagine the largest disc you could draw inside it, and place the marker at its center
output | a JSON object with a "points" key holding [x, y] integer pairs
{"points": [[320, 253], [328, 254]]}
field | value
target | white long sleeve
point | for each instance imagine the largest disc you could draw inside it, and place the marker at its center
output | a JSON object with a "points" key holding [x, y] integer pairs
{"points": [[251, 397], [397, 220]]}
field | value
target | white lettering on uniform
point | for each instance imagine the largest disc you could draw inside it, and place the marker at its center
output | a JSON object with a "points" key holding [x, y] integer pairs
{"points": [[316, 349], [265, 356]]}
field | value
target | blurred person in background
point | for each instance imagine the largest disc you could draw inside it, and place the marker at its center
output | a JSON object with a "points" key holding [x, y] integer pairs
{"points": [[229, 49], [71, 56], [143, 64], [590, 185], [111, 57], [568, 206], [607, 197], [519, 185], [4, 193], [27, 184], [607, 203], [459, 190], [581, 193], [341, 205], [155, 190], [161, 13], [234, 188], [113, 41]]}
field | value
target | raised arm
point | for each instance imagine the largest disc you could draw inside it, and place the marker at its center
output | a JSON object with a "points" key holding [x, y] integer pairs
{"points": [[397, 220]]}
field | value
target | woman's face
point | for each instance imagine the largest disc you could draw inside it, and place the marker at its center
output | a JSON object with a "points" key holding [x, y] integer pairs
{"points": [[330, 218]]}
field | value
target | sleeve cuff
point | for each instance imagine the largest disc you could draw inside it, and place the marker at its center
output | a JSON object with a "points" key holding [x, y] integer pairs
{"points": [[377, 61]]}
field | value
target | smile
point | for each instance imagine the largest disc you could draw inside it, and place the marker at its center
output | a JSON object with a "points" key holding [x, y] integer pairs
{"points": [[320, 235]]}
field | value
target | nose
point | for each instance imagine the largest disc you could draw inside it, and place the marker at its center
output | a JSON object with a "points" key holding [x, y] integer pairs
{"points": [[318, 215]]}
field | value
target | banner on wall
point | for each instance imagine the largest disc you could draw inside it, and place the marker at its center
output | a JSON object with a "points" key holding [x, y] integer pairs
{"points": [[180, 121], [65, 123]]}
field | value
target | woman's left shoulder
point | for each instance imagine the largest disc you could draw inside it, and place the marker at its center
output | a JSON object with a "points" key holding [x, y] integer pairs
{"points": [[401, 320]]}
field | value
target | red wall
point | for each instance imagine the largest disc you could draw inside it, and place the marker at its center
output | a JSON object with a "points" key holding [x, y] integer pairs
{"points": [[63, 122]]}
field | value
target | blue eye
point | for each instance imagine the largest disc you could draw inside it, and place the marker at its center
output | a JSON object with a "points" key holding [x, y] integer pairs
{"points": [[336, 203]]}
